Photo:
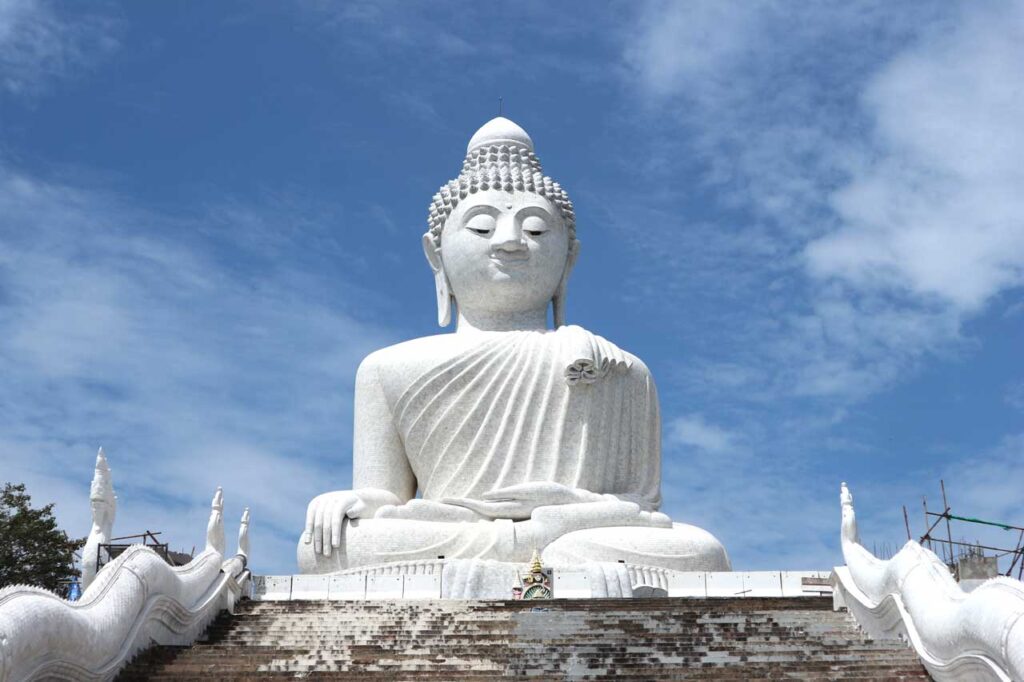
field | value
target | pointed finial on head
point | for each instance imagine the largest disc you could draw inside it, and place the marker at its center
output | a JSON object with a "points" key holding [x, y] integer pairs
{"points": [[500, 130]]}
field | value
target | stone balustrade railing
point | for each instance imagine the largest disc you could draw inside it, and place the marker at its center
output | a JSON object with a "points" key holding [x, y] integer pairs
{"points": [[977, 635], [135, 601]]}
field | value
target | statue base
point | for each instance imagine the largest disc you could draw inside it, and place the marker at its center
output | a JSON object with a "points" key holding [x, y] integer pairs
{"points": [[385, 542], [497, 580]]}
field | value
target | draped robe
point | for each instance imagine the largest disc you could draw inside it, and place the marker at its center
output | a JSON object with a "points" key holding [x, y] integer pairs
{"points": [[517, 407], [564, 406]]}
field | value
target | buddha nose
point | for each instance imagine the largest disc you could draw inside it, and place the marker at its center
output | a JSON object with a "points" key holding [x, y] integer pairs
{"points": [[508, 236]]}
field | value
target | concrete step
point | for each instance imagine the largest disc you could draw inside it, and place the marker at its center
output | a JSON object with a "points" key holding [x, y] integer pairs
{"points": [[631, 639]]}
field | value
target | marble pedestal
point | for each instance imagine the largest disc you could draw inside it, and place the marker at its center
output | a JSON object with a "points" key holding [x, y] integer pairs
{"points": [[482, 579], [375, 542]]}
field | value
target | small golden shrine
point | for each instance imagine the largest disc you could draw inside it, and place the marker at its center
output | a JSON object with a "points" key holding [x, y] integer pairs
{"points": [[536, 584]]}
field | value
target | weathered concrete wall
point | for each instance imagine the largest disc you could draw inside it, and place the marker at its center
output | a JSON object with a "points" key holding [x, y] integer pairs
{"points": [[557, 639]]}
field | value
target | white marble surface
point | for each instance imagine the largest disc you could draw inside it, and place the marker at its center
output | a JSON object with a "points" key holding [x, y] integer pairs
{"points": [[103, 505], [135, 601], [515, 436], [484, 579], [959, 636]]}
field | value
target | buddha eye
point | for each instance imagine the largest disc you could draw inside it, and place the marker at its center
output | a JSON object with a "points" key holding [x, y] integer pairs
{"points": [[482, 224], [534, 225]]}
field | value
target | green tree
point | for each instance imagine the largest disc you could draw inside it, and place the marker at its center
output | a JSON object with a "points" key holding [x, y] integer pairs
{"points": [[33, 550]]}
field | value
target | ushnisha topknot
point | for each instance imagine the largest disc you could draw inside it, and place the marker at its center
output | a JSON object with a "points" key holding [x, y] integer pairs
{"points": [[499, 156]]}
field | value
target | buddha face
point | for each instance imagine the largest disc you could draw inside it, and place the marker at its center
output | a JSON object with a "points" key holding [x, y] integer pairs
{"points": [[504, 251]]}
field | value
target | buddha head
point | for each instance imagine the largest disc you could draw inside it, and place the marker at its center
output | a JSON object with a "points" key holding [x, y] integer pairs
{"points": [[502, 235]]}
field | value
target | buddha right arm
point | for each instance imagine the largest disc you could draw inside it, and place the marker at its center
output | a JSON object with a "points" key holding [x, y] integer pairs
{"points": [[378, 454], [381, 474]]}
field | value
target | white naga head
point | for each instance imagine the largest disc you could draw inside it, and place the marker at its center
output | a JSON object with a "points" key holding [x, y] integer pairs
{"points": [[502, 235], [102, 500]]}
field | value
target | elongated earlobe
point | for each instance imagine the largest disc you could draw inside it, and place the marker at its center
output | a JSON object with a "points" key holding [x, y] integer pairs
{"points": [[558, 306], [558, 301], [444, 293], [444, 300]]}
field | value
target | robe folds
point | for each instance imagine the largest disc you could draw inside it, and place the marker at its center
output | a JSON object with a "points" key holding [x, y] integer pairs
{"points": [[564, 406], [519, 407]]}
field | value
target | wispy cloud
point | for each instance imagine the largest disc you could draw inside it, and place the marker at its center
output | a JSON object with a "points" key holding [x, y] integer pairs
{"points": [[936, 212], [851, 205], [756, 503], [1014, 395], [691, 47], [39, 44], [816, 202], [874, 196], [693, 430], [140, 332], [464, 52]]}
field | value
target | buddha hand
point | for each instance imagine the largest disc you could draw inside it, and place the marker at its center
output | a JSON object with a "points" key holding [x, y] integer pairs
{"points": [[517, 502], [549, 523], [326, 514]]}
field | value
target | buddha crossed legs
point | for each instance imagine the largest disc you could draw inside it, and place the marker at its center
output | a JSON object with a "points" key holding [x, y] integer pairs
{"points": [[516, 437]]}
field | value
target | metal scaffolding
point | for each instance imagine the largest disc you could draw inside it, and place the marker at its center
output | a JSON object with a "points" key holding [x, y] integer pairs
{"points": [[952, 550]]}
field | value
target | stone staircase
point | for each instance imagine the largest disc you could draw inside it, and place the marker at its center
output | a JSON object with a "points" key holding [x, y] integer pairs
{"points": [[635, 639]]}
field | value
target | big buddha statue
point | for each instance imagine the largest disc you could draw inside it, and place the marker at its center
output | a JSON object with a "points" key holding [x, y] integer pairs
{"points": [[506, 436]]}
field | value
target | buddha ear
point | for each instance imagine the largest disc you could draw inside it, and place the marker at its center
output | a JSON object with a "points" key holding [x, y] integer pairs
{"points": [[444, 296], [432, 252], [558, 301]]}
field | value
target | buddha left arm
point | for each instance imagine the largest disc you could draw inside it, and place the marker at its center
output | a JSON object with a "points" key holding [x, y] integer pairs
{"points": [[549, 523]]}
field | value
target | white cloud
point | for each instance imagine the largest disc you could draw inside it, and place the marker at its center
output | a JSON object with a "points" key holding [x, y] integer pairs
{"points": [[39, 44], [769, 512], [1014, 395], [193, 364], [829, 196], [937, 212], [693, 430], [689, 46], [862, 165]]}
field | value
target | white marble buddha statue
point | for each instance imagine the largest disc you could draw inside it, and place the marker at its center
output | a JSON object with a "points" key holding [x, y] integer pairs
{"points": [[516, 437]]}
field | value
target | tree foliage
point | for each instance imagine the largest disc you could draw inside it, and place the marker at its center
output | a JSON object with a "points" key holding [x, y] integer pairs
{"points": [[33, 550]]}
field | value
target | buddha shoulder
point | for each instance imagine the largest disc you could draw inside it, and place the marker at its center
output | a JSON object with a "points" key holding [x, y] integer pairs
{"points": [[394, 367]]}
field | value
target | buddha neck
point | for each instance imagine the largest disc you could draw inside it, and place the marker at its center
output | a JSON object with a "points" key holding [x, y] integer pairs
{"points": [[475, 321]]}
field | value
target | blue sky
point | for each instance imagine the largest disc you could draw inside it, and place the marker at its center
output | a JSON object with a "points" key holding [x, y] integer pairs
{"points": [[807, 220]]}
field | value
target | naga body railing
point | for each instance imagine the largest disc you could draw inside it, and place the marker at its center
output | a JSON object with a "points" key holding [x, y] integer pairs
{"points": [[976, 635], [136, 601]]}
